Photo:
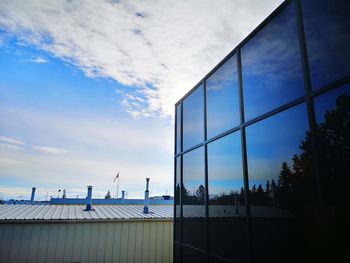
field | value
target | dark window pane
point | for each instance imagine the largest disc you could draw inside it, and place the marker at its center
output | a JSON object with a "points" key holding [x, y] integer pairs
{"points": [[177, 199], [327, 31], [177, 253], [193, 256], [282, 189], [193, 199], [271, 66], [178, 128], [227, 221], [333, 136], [214, 259], [222, 99], [193, 119]]}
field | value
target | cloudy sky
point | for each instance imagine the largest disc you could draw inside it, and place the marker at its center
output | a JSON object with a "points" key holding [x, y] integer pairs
{"points": [[87, 88]]}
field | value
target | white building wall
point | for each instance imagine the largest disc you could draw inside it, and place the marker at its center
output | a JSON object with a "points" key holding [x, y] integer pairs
{"points": [[118, 241]]}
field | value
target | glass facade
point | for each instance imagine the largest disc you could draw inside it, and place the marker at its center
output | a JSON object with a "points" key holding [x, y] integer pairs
{"points": [[262, 147]]}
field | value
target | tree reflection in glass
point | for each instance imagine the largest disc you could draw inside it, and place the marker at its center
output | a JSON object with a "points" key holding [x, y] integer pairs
{"points": [[193, 198], [227, 222], [327, 32], [271, 66], [282, 188], [333, 137], [222, 99]]}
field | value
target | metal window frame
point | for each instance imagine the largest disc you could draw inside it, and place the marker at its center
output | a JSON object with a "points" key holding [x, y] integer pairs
{"points": [[308, 99]]}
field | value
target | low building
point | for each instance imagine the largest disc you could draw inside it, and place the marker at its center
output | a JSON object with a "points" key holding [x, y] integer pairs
{"points": [[69, 233]]}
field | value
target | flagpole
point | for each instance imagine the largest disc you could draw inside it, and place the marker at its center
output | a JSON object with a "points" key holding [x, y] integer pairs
{"points": [[118, 186]]}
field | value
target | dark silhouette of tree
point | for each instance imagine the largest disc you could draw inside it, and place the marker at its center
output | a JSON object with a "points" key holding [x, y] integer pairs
{"points": [[268, 187], [284, 180], [108, 195]]}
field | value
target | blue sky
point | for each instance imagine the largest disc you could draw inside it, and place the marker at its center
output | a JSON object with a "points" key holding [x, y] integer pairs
{"points": [[88, 88]]}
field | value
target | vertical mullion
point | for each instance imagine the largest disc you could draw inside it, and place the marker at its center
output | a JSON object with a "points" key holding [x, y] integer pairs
{"points": [[244, 153], [175, 175], [181, 178], [308, 97], [206, 170]]}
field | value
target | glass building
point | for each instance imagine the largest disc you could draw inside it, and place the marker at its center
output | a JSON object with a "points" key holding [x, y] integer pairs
{"points": [[262, 145]]}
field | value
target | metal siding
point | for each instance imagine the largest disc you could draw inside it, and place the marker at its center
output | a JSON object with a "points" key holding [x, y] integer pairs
{"points": [[43, 243], [138, 245], [101, 242], [153, 243], [109, 242], [132, 242], [124, 242], [146, 242], [87, 242]]}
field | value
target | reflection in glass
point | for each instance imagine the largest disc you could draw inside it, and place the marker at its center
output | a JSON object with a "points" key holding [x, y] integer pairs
{"points": [[282, 189], [227, 222], [271, 66], [333, 137], [222, 99], [177, 199], [327, 32], [193, 119], [192, 256], [193, 199], [178, 128]]}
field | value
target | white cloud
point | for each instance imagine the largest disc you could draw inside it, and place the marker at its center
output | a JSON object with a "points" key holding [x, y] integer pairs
{"points": [[162, 47], [10, 146], [49, 150], [38, 60], [10, 140]]}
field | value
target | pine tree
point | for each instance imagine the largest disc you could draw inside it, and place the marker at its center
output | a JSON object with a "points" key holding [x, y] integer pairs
{"points": [[108, 195], [284, 180]]}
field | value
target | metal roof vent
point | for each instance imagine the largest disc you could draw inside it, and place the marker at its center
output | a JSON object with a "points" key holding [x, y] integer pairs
{"points": [[33, 195], [146, 207], [89, 199]]}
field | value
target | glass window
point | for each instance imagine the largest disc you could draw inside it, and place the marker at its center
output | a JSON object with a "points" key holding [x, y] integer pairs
{"points": [[193, 119], [282, 189], [193, 199], [177, 199], [177, 253], [327, 32], [271, 66], [333, 137], [222, 99], [192, 256], [227, 221], [178, 128]]}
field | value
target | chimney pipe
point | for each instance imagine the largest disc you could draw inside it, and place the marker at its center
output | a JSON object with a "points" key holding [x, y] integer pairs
{"points": [[89, 199], [145, 208], [33, 194], [123, 197]]}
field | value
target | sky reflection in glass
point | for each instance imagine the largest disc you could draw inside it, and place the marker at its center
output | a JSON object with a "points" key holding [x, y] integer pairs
{"points": [[222, 99], [225, 167], [271, 66], [193, 118], [327, 32], [193, 192]]}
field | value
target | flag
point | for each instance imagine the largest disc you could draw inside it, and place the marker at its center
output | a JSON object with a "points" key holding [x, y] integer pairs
{"points": [[116, 177]]}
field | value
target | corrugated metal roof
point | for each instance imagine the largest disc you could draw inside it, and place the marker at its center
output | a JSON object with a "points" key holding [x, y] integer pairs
{"points": [[76, 212]]}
